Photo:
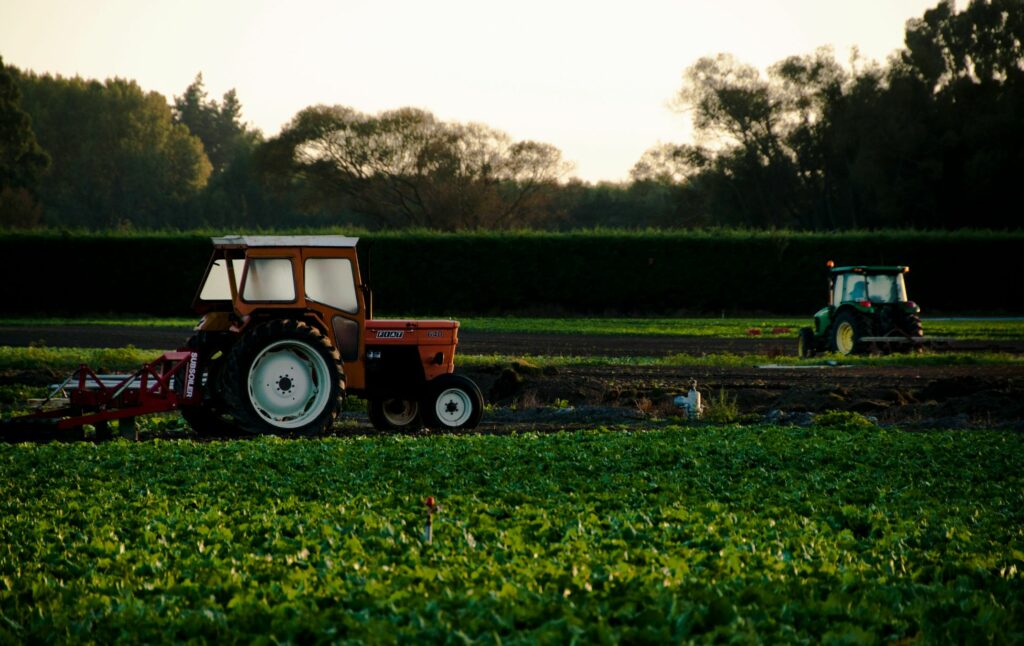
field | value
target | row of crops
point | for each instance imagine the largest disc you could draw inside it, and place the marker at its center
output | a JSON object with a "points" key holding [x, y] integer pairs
{"points": [[845, 532]]}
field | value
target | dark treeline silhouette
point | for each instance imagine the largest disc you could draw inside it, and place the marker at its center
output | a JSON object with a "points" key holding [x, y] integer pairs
{"points": [[931, 139], [935, 139]]}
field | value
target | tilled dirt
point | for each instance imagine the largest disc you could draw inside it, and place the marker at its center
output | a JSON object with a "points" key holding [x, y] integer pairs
{"points": [[524, 396], [918, 397]]}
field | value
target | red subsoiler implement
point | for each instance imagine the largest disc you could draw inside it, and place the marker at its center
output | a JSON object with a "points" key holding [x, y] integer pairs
{"points": [[86, 398]]}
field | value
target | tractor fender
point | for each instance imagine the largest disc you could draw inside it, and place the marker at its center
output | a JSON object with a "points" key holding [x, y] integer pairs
{"points": [[262, 316], [910, 307], [822, 321], [856, 309], [861, 313]]}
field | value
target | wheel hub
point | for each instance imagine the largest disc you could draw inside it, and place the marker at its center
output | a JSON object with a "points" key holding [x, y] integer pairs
{"points": [[453, 407], [400, 412]]}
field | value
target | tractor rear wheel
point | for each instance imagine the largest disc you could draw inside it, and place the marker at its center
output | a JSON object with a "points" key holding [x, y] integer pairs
{"points": [[284, 376], [911, 326], [395, 414], [847, 332], [805, 343], [453, 402]]}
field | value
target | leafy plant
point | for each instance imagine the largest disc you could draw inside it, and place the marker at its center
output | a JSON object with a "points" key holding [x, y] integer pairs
{"points": [[844, 420], [683, 534], [644, 406], [721, 409]]}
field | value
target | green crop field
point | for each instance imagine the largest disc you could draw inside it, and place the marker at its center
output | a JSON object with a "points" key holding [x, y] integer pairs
{"points": [[841, 533]]}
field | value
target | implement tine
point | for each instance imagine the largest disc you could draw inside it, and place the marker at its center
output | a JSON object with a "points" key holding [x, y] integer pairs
{"points": [[128, 381], [59, 388]]}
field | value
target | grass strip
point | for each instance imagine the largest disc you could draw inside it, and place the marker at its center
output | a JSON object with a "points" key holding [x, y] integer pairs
{"points": [[750, 360], [732, 328]]}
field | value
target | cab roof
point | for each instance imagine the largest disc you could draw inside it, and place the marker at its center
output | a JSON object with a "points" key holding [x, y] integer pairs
{"points": [[242, 242], [871, 269]]}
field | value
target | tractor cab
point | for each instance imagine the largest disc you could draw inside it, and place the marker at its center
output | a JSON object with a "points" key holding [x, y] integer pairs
{"points": [[867, 286], [250, 279]]}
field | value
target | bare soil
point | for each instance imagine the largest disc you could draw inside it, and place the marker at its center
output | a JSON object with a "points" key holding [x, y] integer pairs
{"points": [[526, 397], [915, 397]]}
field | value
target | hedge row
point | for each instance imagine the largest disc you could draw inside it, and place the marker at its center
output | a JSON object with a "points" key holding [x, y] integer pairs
{"points": [[532, 273]]}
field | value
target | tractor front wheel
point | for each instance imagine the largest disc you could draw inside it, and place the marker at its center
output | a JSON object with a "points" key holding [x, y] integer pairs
{"points": [[805, 343], [453, 402], [284, 376], [395, 414], [847, 333]]}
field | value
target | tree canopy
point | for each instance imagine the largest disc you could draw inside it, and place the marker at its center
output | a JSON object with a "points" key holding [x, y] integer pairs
{"points": [[407, 168], [218, 125], [930, 139], [22, 160], [934, 140], [118, 157]]}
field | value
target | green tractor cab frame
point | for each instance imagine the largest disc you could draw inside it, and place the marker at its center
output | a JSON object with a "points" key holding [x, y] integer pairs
{"points": [[867, 310]]}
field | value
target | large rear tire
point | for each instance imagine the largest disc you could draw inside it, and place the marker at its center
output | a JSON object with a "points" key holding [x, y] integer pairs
{"points": [[452, 402], [395, 414], [911, 325], [847, 332], [284, 377]]}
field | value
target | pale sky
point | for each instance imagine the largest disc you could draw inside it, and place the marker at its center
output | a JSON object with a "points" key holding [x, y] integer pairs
{"points": [[590, 77]]}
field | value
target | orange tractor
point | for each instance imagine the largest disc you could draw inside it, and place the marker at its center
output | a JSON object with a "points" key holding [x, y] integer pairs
{"points": [[286, 332]]}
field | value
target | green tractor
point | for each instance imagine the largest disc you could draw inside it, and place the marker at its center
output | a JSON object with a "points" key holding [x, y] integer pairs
{"points": [[868, 307]]}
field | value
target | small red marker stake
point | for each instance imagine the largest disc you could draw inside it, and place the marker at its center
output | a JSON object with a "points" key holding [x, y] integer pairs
{"points": [[432, 508]]}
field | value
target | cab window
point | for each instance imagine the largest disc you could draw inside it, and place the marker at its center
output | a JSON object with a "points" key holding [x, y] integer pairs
{"points": [[331, 281], [217, 287], [269, 279]]}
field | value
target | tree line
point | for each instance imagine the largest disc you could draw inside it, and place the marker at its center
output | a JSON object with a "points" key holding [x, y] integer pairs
{"points": [[932, 138]]}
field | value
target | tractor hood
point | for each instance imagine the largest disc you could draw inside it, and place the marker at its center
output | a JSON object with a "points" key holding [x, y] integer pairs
{"points": [[412, 332]]}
